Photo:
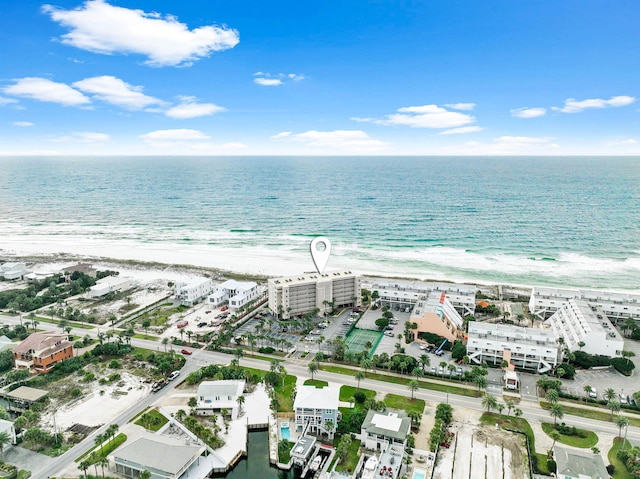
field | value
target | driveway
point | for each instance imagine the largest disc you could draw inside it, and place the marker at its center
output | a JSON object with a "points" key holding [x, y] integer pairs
{"points": [[25, 459]]}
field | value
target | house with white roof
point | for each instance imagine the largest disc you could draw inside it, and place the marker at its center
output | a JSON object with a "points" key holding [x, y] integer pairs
{"points": [[13, 271], [214, 396], [579, 322], [383, 430], [7, 426], [163, 456], [109, 284], [316, 409], [194, 291], [235, 293]]}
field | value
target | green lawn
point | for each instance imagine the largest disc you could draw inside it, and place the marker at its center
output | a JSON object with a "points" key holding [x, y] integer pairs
{"points": [[285, 402], [597, 415], [590, 440], [621, 471], [445, 388], [350, 461], [395, 401], [521, 425], [318, 383], [148, 337], [347, 392], [94, 454], [152, 420]]}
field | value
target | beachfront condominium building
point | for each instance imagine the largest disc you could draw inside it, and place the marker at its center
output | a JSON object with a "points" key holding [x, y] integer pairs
{"points": [[316, 409], [298, 295], [534, 349], [236, 293], [546, 301], [214, 396], [381, 430], [40, 352], [194, 291], [584, 326], [434, 313], [405, 294], [13, 271]]}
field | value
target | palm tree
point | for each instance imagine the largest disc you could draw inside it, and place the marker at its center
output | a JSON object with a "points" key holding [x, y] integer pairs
{"points": [[627, 354], [425, 361], [417, 372], [517, 412], [165, 341], [614, 406], [238, 353], [621, 422], [5, 439], [359, 376], [500, 407], [313, 367], [489, 401], [609, 394], [555, 435], [241, 400], [556, 412], [84, 465], [413, 387], [480, 381], [587, 391], [99, 440], [552, 396], [103, 462]]}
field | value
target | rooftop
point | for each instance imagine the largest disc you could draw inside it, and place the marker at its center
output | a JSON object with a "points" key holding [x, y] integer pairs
{"points": [[46, 341], [395, 425], [233, 388], [26, 393], [512, 333], [310, 397], [303, 279], [581, 464]]}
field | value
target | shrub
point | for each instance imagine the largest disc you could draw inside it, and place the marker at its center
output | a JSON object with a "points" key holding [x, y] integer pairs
{"points": [[266, 350], [359, 397], [623, 366], [551, 465], [611, 469]]}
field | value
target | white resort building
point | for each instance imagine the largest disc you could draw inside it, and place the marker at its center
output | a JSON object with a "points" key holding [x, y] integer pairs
{"points": [[193, 292], [526, 348], [235, 293], [316, 409], [405, 294], [297, 295], [580, 322], [214, 396], [546, 301]]}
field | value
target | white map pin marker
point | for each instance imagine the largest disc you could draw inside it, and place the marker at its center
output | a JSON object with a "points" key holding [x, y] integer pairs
{"points": [[320, 251]]}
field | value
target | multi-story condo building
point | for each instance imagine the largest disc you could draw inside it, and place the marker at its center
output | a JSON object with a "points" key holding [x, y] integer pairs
{"points": [[193, 292], [527, 348], [406, 294], [297, 295], [235, 293], [579, 322], [316, 409], [40, 352], [546, 301], [435, 314]]}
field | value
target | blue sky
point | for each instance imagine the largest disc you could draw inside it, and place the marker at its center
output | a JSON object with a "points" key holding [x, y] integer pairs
{"points": [[439, 77]]}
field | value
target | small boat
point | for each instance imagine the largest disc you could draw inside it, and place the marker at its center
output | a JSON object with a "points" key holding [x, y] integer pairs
{"points": [[315, 464]]}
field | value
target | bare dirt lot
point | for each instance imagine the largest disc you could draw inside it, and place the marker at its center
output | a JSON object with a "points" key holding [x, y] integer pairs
{"points": [[481, 452]]}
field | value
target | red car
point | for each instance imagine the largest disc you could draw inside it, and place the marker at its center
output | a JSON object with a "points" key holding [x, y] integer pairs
{"points": [[186, 351]]}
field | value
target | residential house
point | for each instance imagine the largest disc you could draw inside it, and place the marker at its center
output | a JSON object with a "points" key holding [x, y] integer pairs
{"points": [[236, 293], [214, 396], [40, 352], [316, 409], [7, 426], [193, 292], [109, 284], [13, 271], [383, 430], [575, 464]]}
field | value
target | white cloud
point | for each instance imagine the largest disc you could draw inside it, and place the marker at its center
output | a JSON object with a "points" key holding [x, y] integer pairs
{"points": [[83, 137], [179, 140], [522, 140], [626, 141], [99, 27], [22, 123], [571, 105], [461, 106], [505, 145], [42, 89], [426, 116], [528, 112], [337, 139], [461, 130], [7, 101], [268, 81], [189, 108], [117, 92], [276, 79], [179, 134]]}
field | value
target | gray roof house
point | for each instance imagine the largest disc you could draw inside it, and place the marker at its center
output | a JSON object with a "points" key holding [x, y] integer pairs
{"points": [[164, 457], [214, 396], [381, 430], [574, 464]]}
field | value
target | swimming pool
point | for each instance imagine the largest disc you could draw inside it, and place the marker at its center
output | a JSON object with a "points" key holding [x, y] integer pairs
{"points": [[419, 473], [285, 432]]}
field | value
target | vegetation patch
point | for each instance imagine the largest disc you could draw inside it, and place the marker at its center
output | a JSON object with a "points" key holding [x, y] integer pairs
{"points": [[318, 383], [395, 401], [348, 460], [284, 451], [588, 413], [571, 435], [347, 393], [620, 470], [152, 420]]}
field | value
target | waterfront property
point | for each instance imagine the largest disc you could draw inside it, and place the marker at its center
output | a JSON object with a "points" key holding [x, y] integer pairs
{"points": [[578, 322], [527, 348], [163, 456], [297, 295], [214, 396], [316, 409], [193, 292], [384, 430], [84, 268], [405, 294], [13, 271], [7, 426], [40, 352], [235, 293], [575, 464], [546, 301], [434, 313], [109, 284]]}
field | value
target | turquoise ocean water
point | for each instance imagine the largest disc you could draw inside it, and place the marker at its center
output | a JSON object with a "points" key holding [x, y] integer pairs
{"points": [[553, 221]]}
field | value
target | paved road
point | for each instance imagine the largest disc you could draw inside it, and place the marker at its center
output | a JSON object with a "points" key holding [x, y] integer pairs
{"points": [[531, 410]]}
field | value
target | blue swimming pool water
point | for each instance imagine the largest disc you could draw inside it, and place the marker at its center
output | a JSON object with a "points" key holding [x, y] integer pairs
{"points": [[285, 433], [419, 474]]}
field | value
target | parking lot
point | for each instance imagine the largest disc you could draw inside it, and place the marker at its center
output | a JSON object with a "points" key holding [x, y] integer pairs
{"points": [[600, 380]]}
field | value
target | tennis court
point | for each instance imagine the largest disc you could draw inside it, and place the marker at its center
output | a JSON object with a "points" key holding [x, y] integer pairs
{"points": [[358, 338]]}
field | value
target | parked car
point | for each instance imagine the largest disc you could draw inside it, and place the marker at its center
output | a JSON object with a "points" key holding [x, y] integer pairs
{"points": [[187, 352], [439, 353], [389, 333], [593, 393], [182, 324], [202, 325], [224, 308], [623, 399], [459, 370], [173, 375], [423, 347], [389, 328]]}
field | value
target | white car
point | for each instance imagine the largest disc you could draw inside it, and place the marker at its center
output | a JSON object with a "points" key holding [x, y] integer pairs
{"points": [[593, 393]]}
